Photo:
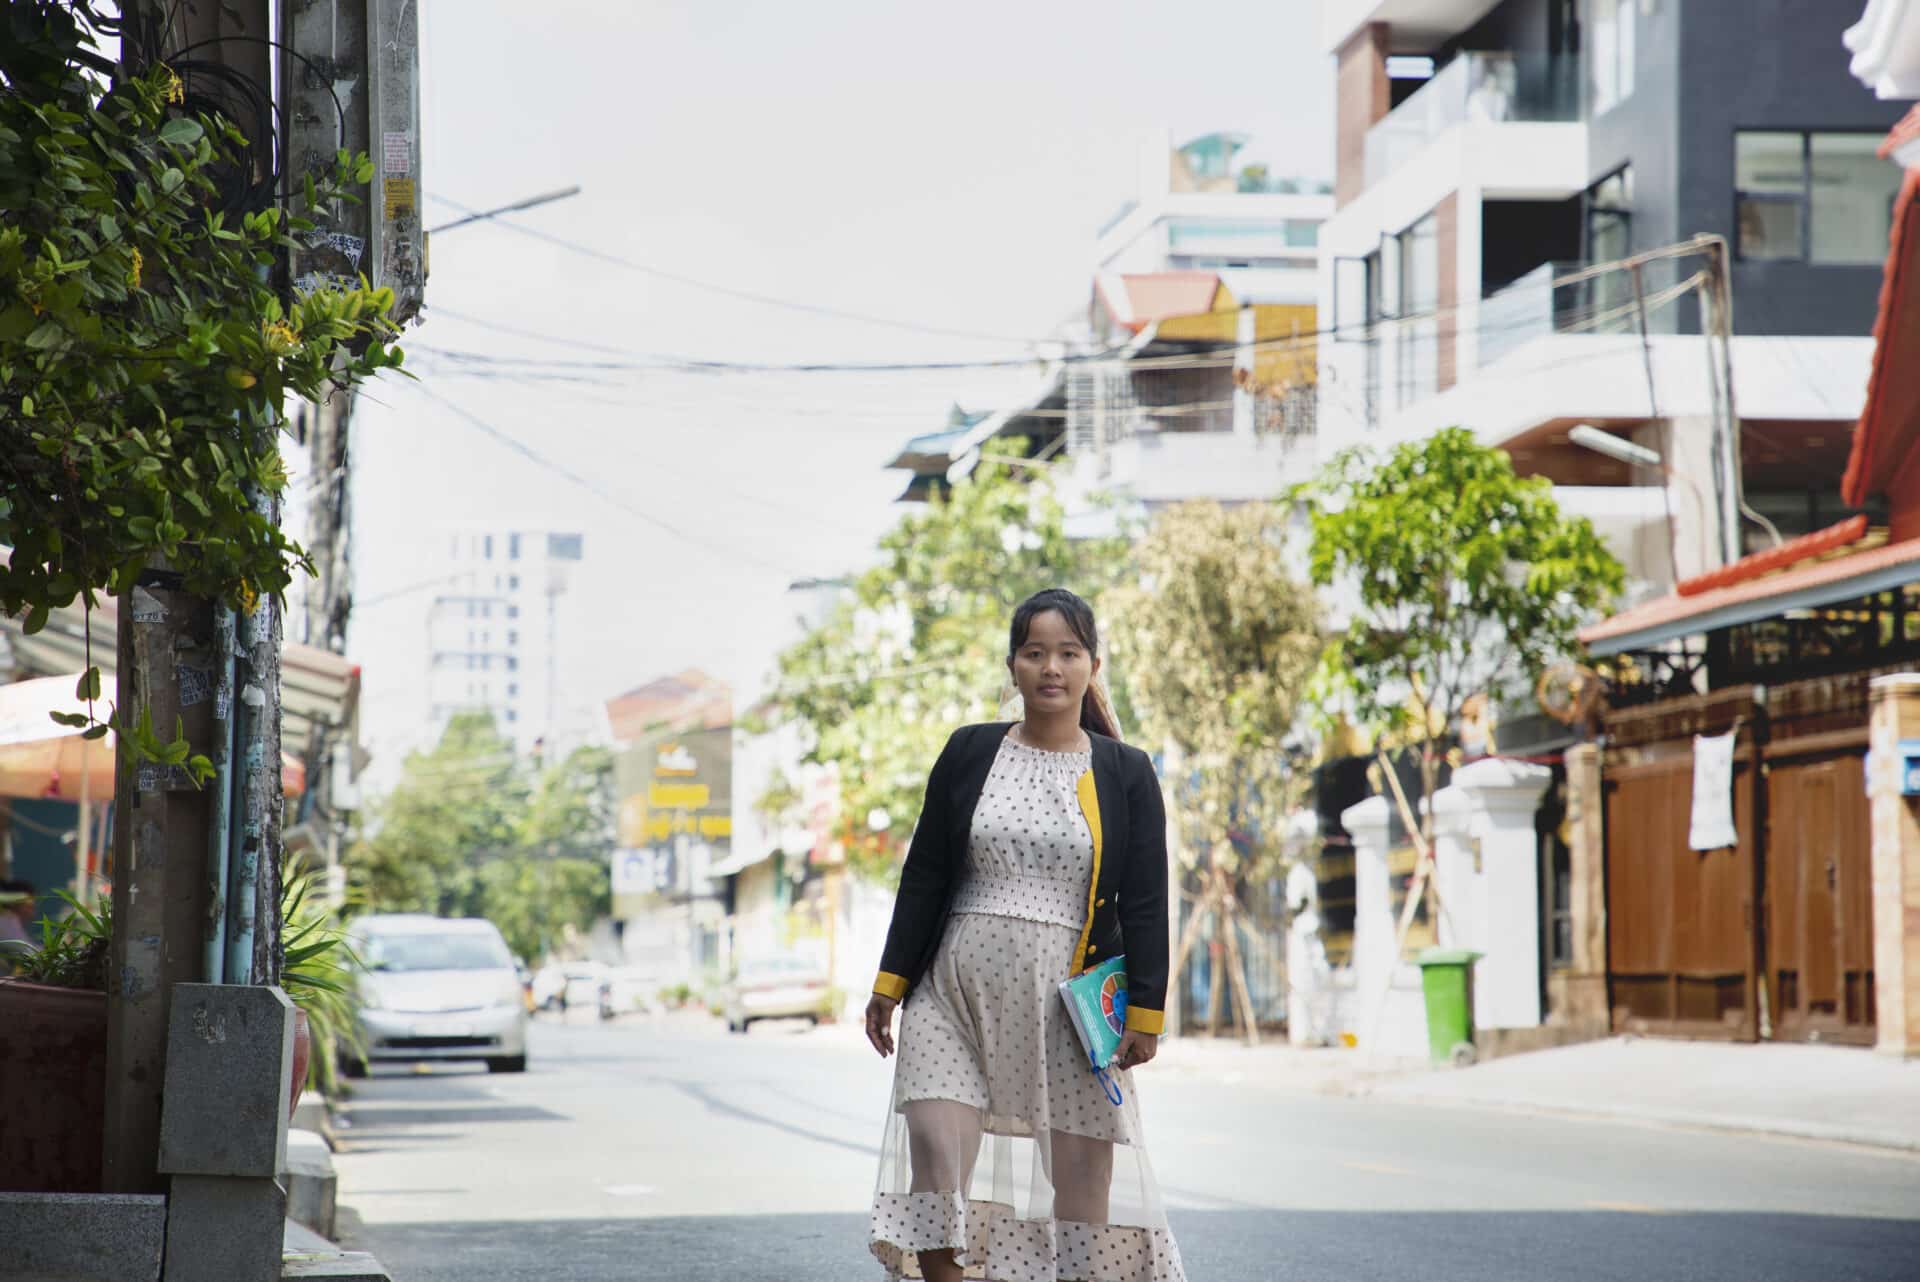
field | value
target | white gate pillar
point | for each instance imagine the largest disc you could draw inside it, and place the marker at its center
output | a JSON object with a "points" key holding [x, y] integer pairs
{"points": [[1390, 1006], [1505, 915]]}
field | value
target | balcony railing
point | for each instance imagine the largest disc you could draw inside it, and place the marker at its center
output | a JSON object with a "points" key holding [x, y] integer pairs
{"points": [[1565, 298], [1486, 88]]}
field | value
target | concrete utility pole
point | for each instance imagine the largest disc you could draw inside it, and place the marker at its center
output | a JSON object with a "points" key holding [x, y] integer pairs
{"points": [[175, 662]]}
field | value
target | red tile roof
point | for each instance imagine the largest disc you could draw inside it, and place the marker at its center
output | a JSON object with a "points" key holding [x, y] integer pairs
{"points": [[1890, 424], [1792, 552], [1675, 609], [689, 700], [1158, 296]]}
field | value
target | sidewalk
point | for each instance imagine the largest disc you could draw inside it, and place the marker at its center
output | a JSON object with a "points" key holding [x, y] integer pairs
{"points": [[1842, 1094]]}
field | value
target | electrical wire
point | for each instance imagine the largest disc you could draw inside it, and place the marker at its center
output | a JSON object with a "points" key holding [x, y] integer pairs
{"points": [[727, 291], [562, 470], [1202, 354]]}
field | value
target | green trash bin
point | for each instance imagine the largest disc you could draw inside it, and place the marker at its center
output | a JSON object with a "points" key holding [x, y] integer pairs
{"points": [[1446, 976]]}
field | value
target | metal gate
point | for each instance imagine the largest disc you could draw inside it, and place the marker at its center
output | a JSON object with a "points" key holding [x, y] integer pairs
{"points": [[1774, 936]]}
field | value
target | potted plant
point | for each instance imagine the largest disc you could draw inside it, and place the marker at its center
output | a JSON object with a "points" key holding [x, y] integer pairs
{"points": [[317, 973], [53, 1057]]}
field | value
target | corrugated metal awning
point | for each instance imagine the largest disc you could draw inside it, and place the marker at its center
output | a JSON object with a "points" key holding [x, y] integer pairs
{"points": [[1804, 587]]}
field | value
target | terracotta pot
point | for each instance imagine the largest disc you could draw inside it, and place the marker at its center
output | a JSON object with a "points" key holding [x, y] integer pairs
{"points": [[53, 1088], [302, 1052]]}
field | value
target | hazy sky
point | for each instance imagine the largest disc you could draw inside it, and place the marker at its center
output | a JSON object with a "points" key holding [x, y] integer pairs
{"points": [[945, 167]]}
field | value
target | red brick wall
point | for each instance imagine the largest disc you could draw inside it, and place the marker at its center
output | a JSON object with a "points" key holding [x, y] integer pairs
{"points": [[1361, 97]]}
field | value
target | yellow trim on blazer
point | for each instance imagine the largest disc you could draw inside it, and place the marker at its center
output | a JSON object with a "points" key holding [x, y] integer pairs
{"points": [[1090, 807], [888, 984], [1142, 1020]]}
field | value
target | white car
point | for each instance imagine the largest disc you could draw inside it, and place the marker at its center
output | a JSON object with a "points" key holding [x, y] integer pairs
{"points": [[784, 986], [438, 988], [582, 984]]}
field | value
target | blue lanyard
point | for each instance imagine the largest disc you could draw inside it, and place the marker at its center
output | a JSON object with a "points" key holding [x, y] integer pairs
{"points": [[1107, 1084]]}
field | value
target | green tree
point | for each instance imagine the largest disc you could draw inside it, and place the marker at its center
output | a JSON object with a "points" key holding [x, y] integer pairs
{"points": [[457, 806], [1468, 580], [147, 345], [472, 831], [919, 647], [557, 877], [1220, 643]]}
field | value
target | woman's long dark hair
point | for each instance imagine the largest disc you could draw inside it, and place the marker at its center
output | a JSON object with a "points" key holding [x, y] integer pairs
{"points": [[1094, 718]]}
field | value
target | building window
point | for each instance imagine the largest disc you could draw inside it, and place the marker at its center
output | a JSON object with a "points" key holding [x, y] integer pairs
{"points": [[513, 689], [1609, 235], [1610, 53], [486, 543], [513, 547], [1813, 197], [513, 638], [513, 583], [513, 612], [512, 715], [513, 664], [1419, 302]]}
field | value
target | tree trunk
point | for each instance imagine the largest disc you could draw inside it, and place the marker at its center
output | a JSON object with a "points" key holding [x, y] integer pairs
{"points": [[1237, 972]]}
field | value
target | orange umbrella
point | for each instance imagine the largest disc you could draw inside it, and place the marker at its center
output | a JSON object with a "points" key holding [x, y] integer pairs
{"points": [[40, 758]]}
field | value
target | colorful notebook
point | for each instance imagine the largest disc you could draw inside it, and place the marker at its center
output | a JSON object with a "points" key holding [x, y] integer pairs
{"points": [[1097, 1003]]}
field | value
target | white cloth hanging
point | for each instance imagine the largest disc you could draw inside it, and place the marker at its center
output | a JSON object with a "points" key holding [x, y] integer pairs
{"points": [[1712, 827]]}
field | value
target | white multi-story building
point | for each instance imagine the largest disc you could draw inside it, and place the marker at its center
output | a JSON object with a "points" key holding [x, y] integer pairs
{"points": [[1497, 160], [1195, 212], [492, 630]]}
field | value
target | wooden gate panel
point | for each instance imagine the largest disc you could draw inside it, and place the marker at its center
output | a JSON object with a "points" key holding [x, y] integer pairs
{"points": [[1819, 941], [1680, 934]]}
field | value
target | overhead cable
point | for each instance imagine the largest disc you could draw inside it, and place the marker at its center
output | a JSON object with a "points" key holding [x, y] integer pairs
{"points": [[727, 291]]}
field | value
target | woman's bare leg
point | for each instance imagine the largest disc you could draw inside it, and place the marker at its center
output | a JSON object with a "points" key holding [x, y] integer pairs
{"points": [[1082, 1176], [943, 1141]]}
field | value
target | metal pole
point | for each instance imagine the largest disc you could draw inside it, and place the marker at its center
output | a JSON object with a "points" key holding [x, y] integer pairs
{"points": [[1727, 435], [243, 858], [220, 750]]}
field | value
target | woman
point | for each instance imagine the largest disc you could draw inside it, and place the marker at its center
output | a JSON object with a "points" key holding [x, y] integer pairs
{"points": [[1040, 852]]}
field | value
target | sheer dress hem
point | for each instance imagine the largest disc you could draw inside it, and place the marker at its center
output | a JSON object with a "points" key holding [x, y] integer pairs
{"points": [[992, 1244]]}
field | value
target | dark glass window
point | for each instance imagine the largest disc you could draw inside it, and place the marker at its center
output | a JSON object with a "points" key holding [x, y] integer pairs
{"points": [[1812, 197]]}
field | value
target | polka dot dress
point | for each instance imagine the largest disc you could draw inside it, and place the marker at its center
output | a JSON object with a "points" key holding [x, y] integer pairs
{"points": [[1001, 1144]]}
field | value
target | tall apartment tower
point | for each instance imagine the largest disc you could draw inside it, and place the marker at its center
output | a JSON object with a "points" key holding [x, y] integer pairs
{"points": [[492, 631]]}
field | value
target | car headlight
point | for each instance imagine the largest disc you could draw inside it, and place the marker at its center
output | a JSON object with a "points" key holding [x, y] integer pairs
{"points": [[509, 997], [370, 999]]}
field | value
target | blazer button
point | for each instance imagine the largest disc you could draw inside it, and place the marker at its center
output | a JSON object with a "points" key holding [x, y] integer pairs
{"points": [[1099, 903]]}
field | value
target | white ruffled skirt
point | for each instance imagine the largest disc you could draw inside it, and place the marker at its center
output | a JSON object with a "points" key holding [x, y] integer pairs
{"points": [[1000, 1143]]}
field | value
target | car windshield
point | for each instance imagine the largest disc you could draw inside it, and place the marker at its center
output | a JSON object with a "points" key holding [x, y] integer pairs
{"points": [[436, 951]]}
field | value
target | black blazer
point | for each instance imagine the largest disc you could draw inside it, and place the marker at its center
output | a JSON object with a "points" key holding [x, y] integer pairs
{"points": [[1126, 906]]}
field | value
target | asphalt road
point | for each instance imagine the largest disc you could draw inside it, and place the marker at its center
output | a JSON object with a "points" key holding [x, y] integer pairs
{"points": [[668, 1149]]}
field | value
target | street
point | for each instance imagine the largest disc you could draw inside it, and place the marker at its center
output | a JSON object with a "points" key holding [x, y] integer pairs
{"points": [[665, 1148]]}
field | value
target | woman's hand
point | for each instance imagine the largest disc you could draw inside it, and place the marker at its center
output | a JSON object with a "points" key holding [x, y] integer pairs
{"points": [[1136, 1048], [880, 1023]]}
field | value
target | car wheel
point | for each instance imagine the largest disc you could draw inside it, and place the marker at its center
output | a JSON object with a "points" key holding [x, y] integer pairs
{"points": [[353, 1066], [813, 1021], [508, 1064]]}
